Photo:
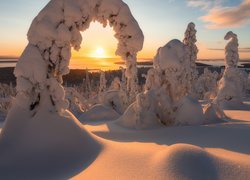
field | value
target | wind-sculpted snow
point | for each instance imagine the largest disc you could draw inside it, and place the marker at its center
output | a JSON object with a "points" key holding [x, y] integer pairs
{"points": [[185, 161], [57, 28]]}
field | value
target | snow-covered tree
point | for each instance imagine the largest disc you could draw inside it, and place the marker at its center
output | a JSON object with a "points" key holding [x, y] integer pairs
{"points": [[153, 80], [206, 85], [102, 87], [116, 84], [171, 61], [103, 82], [233, 84], [87, 83], [52, 34], [39, 123], [231, 50], [123, 80], [192, 51], [165, 98], [77, 103], [132, 79], [7, 94]]}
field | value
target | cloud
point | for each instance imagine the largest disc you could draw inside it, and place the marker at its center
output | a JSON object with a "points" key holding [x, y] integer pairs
{"points": [[227, 17], [199, 4], [244, 50], [241, 50], [215, 49]]}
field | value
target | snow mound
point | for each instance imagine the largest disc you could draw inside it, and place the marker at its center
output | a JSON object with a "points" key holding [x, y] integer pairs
{"points": [[183, 161], [113, 99], [99, 113], [189, 112], [141, 114], [31, 144], [213, 114]]}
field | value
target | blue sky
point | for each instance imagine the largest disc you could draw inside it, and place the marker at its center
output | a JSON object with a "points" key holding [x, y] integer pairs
{"points": [[160, 20]]}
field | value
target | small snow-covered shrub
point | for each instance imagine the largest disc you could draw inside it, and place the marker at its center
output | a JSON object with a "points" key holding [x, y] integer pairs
{"points": [[116, 84], [77, 103], [189, 112], [206, 85], [141, 114], [7, 94]]}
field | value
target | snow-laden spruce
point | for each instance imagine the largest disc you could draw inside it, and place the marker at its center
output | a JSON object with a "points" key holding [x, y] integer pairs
{"points": [[165, 100], [103, 82], [233, 84], [56, 29], [192, 51], [172, 60]]}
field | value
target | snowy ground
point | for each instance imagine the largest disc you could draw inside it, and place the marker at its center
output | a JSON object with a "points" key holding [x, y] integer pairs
{"points": [[220, 151], [216, 151]]}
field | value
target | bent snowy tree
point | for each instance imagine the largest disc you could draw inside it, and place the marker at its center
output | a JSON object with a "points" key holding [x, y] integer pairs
{"points": [[233, 84], [52, 34]]}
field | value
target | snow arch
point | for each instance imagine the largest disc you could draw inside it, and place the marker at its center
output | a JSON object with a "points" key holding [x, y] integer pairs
{"points": [[56, 29]]}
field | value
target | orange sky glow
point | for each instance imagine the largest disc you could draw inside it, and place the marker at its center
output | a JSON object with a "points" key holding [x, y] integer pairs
{"points": [[98, 37]]}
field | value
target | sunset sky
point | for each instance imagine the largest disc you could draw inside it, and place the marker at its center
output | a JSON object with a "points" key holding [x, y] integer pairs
{"points": [[160, 20]]}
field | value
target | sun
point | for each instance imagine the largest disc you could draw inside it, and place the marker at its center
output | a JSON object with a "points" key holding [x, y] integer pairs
{"points": [[99, 52]]}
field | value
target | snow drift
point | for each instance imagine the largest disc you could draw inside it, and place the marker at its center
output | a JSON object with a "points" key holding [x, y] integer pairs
{"points": [[31, 144]]}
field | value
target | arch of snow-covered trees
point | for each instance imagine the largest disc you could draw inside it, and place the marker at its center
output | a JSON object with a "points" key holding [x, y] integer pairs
{"points": [[52, 34], [38, 124]]}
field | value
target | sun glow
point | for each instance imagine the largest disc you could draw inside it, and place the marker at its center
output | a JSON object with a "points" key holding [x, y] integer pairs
{"points": [[99, 53]]}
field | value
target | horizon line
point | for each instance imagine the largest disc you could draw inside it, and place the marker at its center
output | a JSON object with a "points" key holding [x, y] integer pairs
{"points": [[117, 58]]}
